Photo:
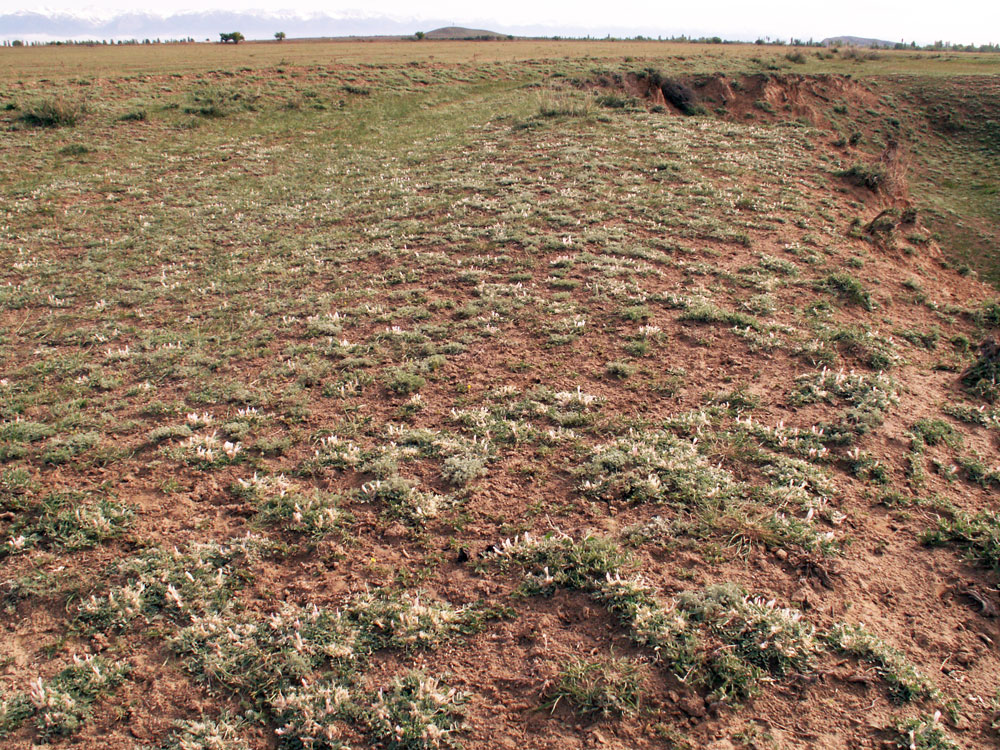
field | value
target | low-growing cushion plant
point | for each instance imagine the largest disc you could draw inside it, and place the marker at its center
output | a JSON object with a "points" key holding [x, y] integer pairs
{"points": [[978, 535], [607, 687], [718, 638], [61, 705], [904, 681]]}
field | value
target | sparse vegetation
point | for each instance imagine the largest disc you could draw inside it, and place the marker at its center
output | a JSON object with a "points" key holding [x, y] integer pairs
{"points": [[610, 687], [904, 681], [978, 535], [871, 176], [51, 113], [290, 342], [923, 733]]}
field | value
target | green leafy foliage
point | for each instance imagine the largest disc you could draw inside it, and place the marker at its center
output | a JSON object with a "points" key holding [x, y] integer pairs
{"points": [[904, 681], [608, 687], [978, 535]]}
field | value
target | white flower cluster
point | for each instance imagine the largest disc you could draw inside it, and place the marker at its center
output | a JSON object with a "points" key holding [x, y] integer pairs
{"points": [[279, 498], [314, 713], [575, 399], [209, 449], [801, 442], [409, 620], [334, 451]]}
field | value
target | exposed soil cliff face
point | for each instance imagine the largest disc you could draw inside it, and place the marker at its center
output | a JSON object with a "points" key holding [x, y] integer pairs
{"points": [[769, 97]]}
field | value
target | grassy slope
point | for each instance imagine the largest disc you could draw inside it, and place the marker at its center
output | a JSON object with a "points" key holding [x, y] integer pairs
{"points": [[356, 243]]}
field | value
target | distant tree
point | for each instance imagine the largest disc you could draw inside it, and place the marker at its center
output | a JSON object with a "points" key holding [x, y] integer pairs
{"points": [[234, 36], [280, 35], [420, 35]]}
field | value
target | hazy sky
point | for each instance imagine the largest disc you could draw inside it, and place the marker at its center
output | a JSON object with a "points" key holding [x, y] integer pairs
{"points": [[960, 21]]}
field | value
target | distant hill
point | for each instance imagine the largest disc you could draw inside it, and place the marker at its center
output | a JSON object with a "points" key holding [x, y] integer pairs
{"points": [[40, 26], [855, 41], [200, 25], [459, 32]]}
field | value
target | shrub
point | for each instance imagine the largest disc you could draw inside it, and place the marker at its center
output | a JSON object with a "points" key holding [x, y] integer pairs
{"points": [[461, 469], [878, 352], [408, 621], [272, 661], [218, 102], [923, 733], [990, 315], [978, 535], [636, 313], [208, 734], [718, 637], [75, 149], [62, 449], [856, 53], [402, 382], [619, 369], [971, 415], [402, 498], [61, 705], [14, 709], [849, 288], [561, 105], [656, 467], [207, 451], [982, 379], [280, 500], [614, 101], [871, 176], [869, 395], [702, 310], [680, 96], [169, 432], [609, 687], [937, 431], [415, 713], [51, 113], [64, 522], [167, 584], [905, 681]]}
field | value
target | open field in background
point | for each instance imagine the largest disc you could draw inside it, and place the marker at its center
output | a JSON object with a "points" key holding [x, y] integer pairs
{"points": [[32, 62], [415, 394]]}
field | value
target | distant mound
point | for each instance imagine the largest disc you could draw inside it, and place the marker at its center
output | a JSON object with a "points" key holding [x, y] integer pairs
{"points": [[856, 41], [459, 32]]}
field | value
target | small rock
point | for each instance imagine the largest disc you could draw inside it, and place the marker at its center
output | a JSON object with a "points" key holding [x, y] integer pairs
{"points": [[598, 738], [138, 732], [781, 555], [396, 530], [720, 745], [965, 658], [805, 597], [693, 706]]}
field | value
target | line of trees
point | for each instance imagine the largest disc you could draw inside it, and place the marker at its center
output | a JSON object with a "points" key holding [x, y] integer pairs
{"points": [[94, 42], [236, 37]]}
